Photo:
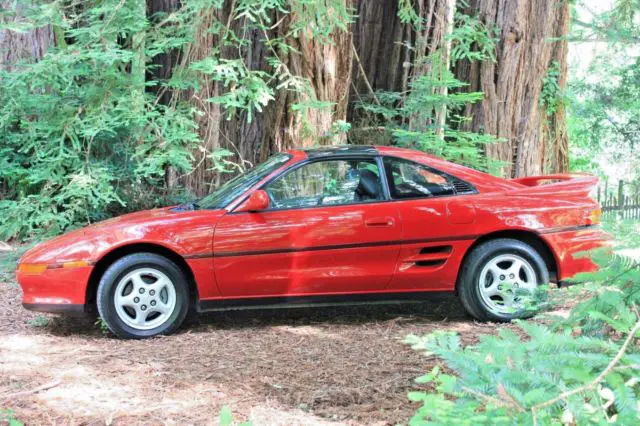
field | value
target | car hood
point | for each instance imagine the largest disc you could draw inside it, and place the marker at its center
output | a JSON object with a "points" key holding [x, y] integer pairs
{"points": [[169, 227]]}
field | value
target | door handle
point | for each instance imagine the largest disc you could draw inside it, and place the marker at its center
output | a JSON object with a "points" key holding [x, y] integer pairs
{"points": [[379, 222]]}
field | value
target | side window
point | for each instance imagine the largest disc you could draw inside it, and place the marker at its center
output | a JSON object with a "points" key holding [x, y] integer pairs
{"points": [[411, 180], [325, 183]]}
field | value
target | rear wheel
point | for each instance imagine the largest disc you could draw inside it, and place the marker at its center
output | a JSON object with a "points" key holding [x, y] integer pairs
{"points": [[143, 295], [498, 277]]}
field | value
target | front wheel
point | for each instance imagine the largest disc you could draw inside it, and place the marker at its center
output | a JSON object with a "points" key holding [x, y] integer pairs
{"points": [[498, 277], [143, 295]]}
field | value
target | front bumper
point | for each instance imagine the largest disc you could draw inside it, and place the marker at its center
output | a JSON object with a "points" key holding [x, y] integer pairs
{"points": [[52, 308], [55, 289], [571, 247]]}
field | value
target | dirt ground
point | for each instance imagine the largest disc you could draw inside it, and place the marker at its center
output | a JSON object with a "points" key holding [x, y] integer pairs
{"points": [[310, 366]]}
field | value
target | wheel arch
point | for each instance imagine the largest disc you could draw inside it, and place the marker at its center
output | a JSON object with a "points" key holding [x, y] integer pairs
{"points": [[119, 252], [526, 236]]}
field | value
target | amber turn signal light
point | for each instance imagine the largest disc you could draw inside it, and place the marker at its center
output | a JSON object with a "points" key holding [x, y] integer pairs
{"points": [[38, 268], [32, 268], [594, 217], [76, 264]]}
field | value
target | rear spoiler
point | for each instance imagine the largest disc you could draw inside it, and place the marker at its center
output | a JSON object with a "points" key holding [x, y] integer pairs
{"points": [[574, 184]]}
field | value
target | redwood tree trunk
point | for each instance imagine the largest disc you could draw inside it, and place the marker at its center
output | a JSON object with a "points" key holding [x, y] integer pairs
{"points": [[554, 129], [326, 66], [215, 129], [18, 46], [391, 52], [511, 109]]}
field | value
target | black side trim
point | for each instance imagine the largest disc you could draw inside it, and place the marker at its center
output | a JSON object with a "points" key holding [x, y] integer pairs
{"points": [[436, 249], [198, 256], [566, 229], [317, 301], [56, 308], [332, 247], [431, 263]]}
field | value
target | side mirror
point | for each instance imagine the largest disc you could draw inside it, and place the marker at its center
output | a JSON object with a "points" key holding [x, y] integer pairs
{"points": [[257, 201]]}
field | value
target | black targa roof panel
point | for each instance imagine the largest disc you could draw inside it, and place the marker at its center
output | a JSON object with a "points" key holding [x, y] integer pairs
{"points": [[340, 150]]}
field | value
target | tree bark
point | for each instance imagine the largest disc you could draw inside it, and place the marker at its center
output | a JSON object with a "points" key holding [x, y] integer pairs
{"points": [[554, 129], [441, 112], [392, 53], [19, 46], [163, 63], [511, 109], [326, 66]]}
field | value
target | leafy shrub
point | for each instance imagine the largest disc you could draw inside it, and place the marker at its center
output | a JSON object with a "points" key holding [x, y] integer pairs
{"points": [[86, 133], [582, 369], [78, 128]]}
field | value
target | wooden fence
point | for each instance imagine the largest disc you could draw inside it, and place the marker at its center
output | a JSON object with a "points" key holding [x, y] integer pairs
{"points": [[617, 203]]}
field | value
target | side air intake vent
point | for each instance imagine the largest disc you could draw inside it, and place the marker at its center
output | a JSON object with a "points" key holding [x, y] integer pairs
{"points": [[463, 187], [436, 249]]}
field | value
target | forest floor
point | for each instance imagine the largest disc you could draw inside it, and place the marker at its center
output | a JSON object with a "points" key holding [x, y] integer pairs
{"points": [[311, 366]]}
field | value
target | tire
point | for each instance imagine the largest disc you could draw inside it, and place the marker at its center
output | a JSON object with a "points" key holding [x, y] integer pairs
{"points": [[143, 295], [492, 268]]}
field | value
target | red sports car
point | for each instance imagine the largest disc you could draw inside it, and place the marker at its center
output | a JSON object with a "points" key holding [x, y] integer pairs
{"points": [[335, 224]]}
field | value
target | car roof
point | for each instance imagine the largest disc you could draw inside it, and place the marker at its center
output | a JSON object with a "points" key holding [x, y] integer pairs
{"points": [[340, 150]]}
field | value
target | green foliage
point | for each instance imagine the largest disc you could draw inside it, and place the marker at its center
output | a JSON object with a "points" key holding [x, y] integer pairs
{"points": [[39, 321], [83, 132], [472, 39], [8, 418], [616, 24], [604, 119], [429, 115], [602, 99], [8, 261], [412, 116], [582, 369], [551, 93], [102, 326], [79, 135], [408, 15], [225, 418]]}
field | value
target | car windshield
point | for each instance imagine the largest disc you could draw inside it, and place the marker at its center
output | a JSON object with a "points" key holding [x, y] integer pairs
{"points": [[236, 186]]}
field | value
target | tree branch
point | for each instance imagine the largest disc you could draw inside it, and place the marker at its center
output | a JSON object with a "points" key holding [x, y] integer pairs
{"points": [[364, 74]]}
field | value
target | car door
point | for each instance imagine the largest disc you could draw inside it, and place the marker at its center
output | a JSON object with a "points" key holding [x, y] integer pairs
{"points": [[329, 230], [438, 225]]}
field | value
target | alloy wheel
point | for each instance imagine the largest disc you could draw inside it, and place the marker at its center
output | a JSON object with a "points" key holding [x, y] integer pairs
{"points": [[145, 298], [505, 281]]}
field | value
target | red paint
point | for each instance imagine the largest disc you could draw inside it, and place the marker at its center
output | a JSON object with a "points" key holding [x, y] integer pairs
{"points": [[374, 247], [286, 267], [257, 201]]}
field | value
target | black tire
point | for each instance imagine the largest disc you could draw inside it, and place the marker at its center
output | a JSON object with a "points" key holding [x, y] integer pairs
{"points": [[469, 278], [117, 271]]}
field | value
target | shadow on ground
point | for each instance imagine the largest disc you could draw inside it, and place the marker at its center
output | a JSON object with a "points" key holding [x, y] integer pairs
{"points": [[303, 366], [442, 309]]}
